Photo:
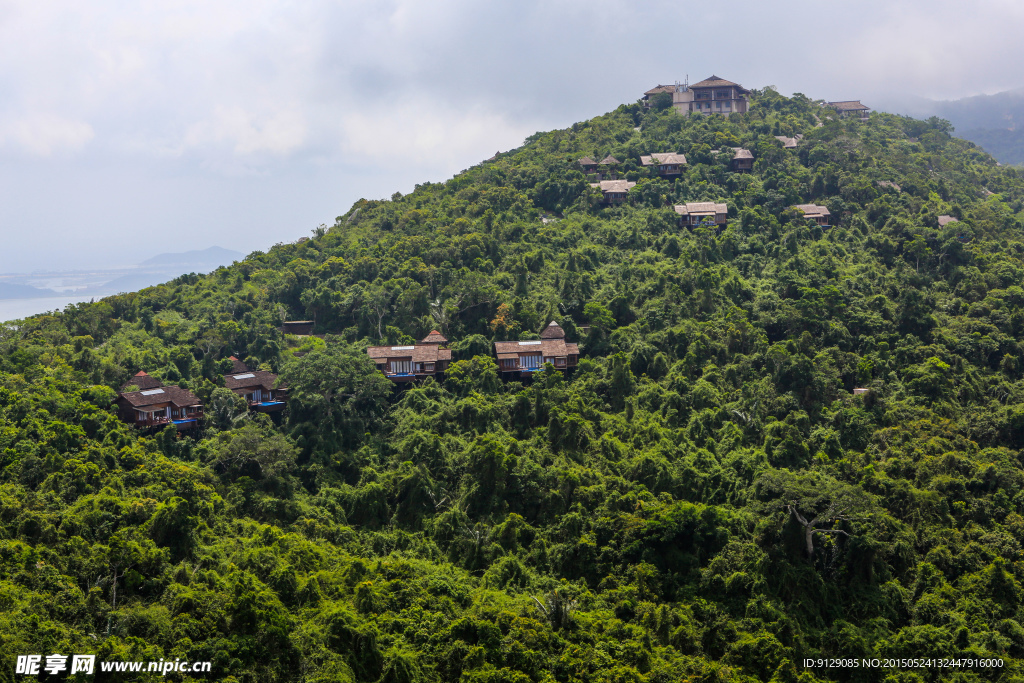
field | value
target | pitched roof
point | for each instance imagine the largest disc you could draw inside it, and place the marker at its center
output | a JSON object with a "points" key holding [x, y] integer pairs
{"points": [[663, 158], [434, 337], [889, 183], [142, 381], [587, 161], [812, 210], [614, 185], [700, 207], [742, 153], [553, 331], [609, 160], [717, 82], [149, 397], [660, 89], [849, 105], [419, 353], [237, 366], [946, 220], [252, 378], [787, 142], [546, 347]]}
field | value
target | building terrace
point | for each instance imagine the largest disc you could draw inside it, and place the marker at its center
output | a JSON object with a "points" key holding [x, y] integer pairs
{"points": [[702, 214], [526, 357], [665, 163], [257, 387], [159, 407], [401, 364]]}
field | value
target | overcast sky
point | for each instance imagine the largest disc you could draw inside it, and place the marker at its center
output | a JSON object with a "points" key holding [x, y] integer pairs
{"points": [[133, 128]]}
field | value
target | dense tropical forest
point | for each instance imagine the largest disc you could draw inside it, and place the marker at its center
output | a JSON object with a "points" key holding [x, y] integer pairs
{"points": [[704, 498]]}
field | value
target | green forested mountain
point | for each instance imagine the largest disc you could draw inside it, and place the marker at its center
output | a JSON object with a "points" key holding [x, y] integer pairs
{"points": [[703, 499]]}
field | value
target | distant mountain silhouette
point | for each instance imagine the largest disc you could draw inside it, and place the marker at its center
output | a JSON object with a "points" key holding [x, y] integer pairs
{"points": [[12, 291], [214, 256], [994, 122]]}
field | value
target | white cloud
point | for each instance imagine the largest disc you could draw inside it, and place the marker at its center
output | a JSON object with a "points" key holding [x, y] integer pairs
{"points": [[278, 133], [46, 134]]}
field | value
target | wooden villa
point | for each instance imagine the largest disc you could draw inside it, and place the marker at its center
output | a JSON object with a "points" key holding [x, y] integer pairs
{"points": [[742, 160], [256, 387], [401, 364], [702, 214], [526, 357], [818, 214], [713, 95], [613, 191], [297, 327], [665, 163], [159, 407], [609, 168], [851, 109], [789, 142], [589, 165]]}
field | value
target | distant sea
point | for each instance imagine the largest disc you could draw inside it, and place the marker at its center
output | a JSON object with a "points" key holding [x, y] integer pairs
{"points": [[15, 309]]}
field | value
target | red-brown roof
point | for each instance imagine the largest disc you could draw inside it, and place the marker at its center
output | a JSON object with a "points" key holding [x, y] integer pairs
{"points": [[547, 347], [251, 378], [142, 381], [553, 331], [434, 337], [419, 353], [237, 366], [149, 397]]}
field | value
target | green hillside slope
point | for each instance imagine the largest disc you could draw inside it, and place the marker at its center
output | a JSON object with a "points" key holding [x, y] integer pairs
{"points": [[704, 498]]}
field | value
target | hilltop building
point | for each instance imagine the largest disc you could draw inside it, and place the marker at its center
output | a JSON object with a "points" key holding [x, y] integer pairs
{"points": [[850, 109], [648, 98], [613, 191], [818, 214], [525, 357], [702, 214], [402, 364]]}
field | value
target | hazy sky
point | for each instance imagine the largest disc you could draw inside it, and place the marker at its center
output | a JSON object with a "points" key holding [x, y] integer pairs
{"points": [[133, 128]]}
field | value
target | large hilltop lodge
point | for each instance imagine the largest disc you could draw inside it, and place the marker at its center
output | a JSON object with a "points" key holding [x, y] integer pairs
{"points": [[713, 95]]}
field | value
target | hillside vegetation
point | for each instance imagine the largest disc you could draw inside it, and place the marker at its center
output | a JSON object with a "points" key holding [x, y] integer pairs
{"points": [[639, 520]]}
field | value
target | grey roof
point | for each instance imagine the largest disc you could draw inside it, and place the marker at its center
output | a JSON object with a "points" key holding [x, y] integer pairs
{"points": [[849, 105], [663, 158], [609, 160], [700, 207], [614, 185], [742, 153], [587, 161], [787, 142], [812, 210], [946, 220]]}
